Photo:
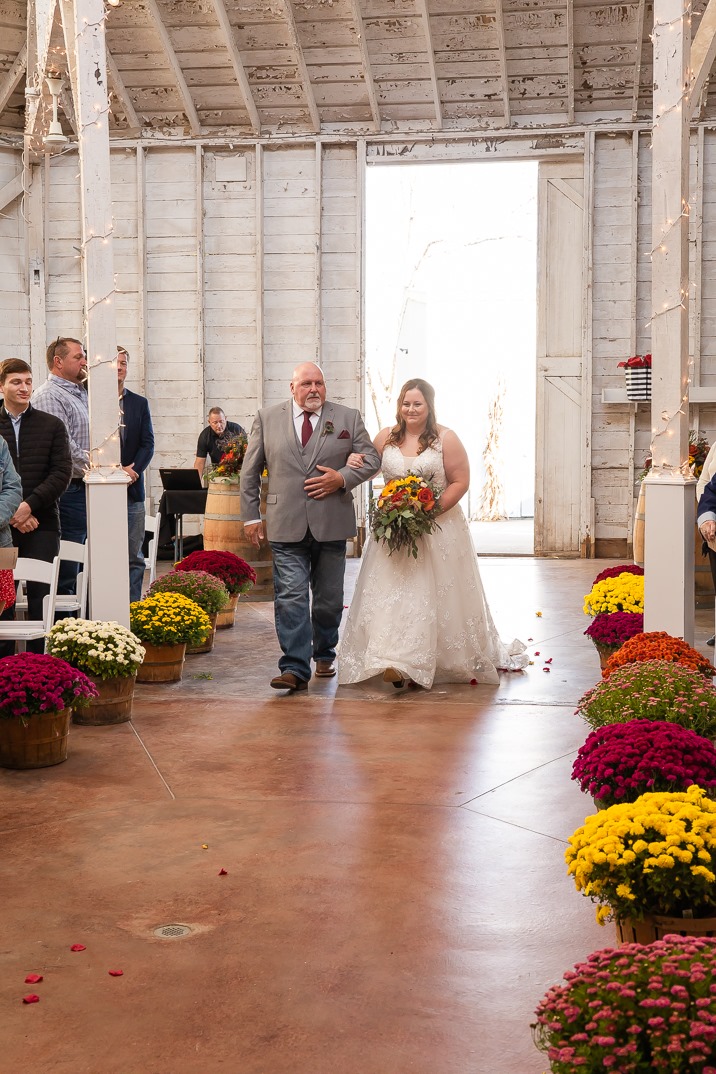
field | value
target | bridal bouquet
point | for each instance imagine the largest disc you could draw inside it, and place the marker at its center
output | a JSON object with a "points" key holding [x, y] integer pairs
{"points": [[406, 509]]}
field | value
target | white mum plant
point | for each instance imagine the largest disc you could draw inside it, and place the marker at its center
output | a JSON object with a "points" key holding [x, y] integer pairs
{"points": [[105, 650]]}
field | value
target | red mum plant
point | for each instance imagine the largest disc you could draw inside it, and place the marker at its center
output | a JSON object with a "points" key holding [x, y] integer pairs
{"points": [[658, 645], [237, 575], [32, 683], [634, 1009], [614, 572], [612, 629], [621, 761]]}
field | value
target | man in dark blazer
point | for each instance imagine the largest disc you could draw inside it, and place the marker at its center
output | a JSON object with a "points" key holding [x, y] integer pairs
{"points": [[137, 443], [305, 443], [40, 451]]}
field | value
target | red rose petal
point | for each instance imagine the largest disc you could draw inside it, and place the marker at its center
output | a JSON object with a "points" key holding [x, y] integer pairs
{"points": [[223, 872], [78, 947], [530, 639], [548, 661], [537, 652], [473, 682], [33, 978], [32, 998], [546, 669], [116, 973]]}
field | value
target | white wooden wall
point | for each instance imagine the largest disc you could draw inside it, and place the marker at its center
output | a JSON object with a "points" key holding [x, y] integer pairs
{"points": [[235, 263]]}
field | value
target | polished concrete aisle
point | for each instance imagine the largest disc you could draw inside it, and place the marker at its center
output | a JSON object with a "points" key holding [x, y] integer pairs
{"points": [[374, 881]]}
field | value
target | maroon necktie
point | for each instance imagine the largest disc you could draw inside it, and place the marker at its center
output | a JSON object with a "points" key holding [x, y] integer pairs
{"points": [[306, 428]]}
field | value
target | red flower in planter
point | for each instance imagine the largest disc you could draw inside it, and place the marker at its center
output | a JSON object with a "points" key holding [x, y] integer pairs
{"points": [[638, 361]]}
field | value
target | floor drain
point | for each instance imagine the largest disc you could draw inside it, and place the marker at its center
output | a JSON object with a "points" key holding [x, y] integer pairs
{"points": [[173, 932]]}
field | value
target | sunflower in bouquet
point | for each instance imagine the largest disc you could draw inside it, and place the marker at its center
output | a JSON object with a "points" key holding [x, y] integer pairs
{"points": [[406, 509]]}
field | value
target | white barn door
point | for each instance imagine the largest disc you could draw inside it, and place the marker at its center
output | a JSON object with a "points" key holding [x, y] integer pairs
{"points": [[559, 453]]}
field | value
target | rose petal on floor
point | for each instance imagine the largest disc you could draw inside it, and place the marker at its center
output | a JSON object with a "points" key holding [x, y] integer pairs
{"points": [[223, 872], [33, 978], [78, 947], [32, 998], [116, 973]]}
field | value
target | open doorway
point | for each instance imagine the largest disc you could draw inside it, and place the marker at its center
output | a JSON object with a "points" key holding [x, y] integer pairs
{"points": [[451, 281]]}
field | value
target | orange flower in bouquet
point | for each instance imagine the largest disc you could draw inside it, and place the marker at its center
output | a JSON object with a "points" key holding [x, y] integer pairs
{"points": [[405, 510], [658, 645]]}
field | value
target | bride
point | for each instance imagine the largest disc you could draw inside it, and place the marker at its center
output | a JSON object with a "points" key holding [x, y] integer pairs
{"points": [[424, 620]]}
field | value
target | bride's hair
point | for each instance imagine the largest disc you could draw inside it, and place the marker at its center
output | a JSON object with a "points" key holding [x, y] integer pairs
{"points": [[430, 434]]}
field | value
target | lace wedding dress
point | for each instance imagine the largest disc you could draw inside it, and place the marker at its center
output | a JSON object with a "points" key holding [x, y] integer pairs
{"points": [[427, 617]]}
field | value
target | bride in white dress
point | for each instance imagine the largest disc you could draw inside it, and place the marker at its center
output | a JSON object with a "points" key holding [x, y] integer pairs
{"points": [[424, 620]]}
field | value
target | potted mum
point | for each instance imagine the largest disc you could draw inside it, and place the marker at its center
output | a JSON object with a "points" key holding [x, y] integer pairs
{"points": [[652, 690], [109, 655], [649, 864], [204, 589], [237, 575], [37, 695], [614, 572], [625, 593], [166, 623], [609, 630], [621, 761], [634, 1010], [658, 645]]}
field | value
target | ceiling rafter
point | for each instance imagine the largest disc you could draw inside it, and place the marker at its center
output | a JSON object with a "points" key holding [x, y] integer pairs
{"points": [[303, 69], [189, 108], [570, 62], [365, 57], [237, 63], [12, 78], [422, 6], [640, 23], [500, 28], [120, 91]]}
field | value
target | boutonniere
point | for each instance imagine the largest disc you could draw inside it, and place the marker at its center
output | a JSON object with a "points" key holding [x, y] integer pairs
{"points": [[328, 429]]}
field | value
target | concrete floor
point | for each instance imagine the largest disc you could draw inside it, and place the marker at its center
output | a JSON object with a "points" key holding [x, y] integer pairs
{"points": [[395, 899]]}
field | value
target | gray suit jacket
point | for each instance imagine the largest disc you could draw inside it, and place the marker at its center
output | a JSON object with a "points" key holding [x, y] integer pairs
{"points": [[289, 511]]}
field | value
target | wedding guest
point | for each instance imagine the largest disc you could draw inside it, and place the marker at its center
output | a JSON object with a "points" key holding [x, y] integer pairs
{"points": [[137, 449]]}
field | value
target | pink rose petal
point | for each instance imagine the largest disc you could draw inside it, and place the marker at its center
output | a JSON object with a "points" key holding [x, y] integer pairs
{"points": [[32, 998], [33, 978]]}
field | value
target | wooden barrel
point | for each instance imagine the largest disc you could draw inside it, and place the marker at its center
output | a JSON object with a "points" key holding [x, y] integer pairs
{"points": [[162, 663], [227, 618], [703, 581], [39, 743], [224, 532], [114, 704]]}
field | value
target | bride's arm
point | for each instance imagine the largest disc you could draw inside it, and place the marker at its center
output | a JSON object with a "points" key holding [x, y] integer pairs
{"points": [[457, 470], [355, 460]]}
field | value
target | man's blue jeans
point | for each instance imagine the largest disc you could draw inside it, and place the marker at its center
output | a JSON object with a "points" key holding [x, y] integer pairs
{"points": [[73, 527], [135, 532], [308, 601]]}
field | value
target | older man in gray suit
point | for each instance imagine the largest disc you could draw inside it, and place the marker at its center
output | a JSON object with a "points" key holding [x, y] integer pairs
{"points": [[305, 443]]}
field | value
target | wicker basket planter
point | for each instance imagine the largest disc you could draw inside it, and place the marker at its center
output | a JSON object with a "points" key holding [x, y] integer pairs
{"points": [[654, 927], [114, 704], [39, 743], [162, 663]]}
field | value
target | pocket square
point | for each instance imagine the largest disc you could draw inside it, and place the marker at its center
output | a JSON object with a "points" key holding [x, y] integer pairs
{"points": [[345, 435]]}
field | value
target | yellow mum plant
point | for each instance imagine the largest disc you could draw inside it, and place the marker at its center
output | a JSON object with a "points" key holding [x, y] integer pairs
{"points": [[625, 593], [169, 619], [652, 856]]}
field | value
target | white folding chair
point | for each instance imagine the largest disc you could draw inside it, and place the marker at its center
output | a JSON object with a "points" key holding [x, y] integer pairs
{"points": [[70, 552], [152, 524], [24, 630]]}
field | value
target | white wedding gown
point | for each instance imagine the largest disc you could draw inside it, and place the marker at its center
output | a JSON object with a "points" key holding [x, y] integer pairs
{"points": [[427, 617]]}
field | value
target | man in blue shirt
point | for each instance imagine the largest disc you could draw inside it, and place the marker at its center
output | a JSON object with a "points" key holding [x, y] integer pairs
{"points": [[64, 395], [137, 439]]}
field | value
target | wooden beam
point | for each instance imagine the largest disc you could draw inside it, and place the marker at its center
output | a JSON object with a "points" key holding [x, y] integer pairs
{"points": [[12, 77], [365, 61], [237, 63], [500, 28], [640, 23], [570, 62], [10, 191], [701, 59], [422, 9], [120, 91], [302, 69], [36, 262], [189, 108]]}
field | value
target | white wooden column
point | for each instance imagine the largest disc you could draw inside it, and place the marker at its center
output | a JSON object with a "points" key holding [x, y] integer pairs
{"points": [[106, 481], [669, 533]]}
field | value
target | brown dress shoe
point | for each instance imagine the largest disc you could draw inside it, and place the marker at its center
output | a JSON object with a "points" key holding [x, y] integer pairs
{"points": [[325, 669], [288, 681]]}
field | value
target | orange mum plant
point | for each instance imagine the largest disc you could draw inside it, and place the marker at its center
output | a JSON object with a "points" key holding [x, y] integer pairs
{"points": [[658, 645]]}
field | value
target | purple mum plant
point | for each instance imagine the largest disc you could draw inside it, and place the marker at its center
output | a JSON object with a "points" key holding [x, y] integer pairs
{"points": [[31, 683], [614, 628], [636, 1009], [622, 761]]}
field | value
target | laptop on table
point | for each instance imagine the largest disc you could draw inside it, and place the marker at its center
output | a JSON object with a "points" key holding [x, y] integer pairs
{"points": [[180, 480]]}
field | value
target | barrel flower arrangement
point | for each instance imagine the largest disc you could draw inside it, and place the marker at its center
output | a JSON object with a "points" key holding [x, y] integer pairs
{"points": [[646, 854]]}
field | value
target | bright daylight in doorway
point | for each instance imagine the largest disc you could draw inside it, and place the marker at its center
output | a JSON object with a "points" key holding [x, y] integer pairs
{"points": [[451, 253]]}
